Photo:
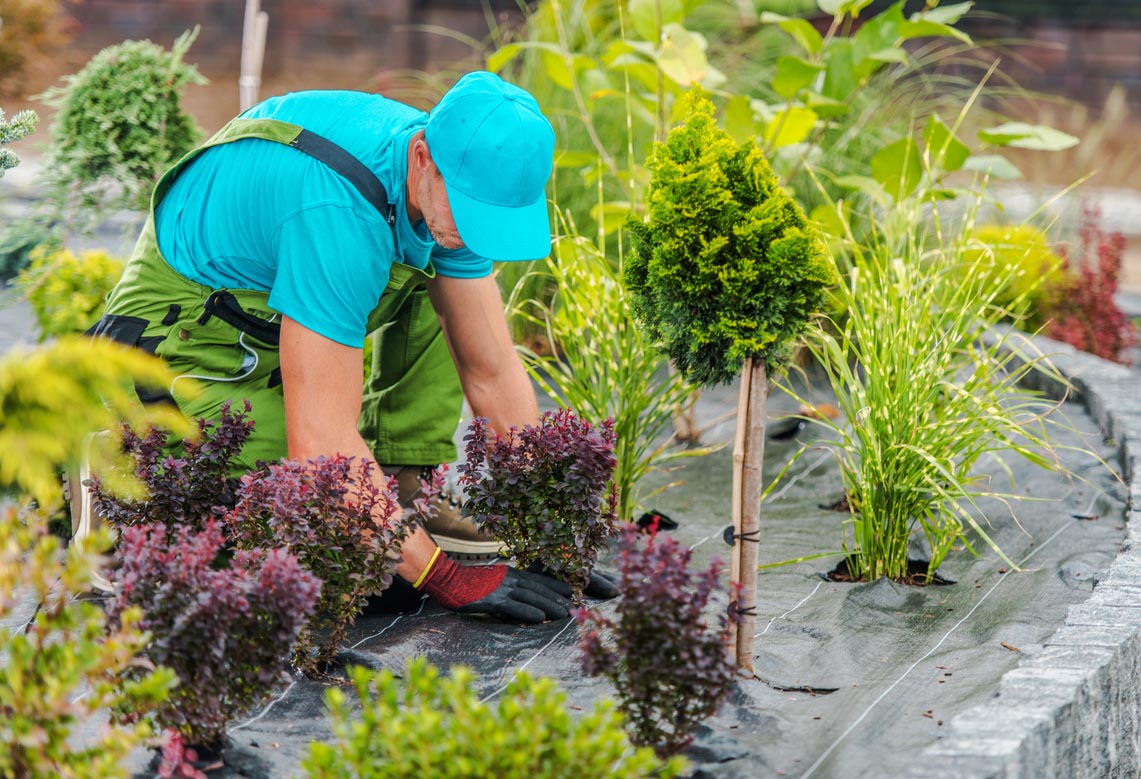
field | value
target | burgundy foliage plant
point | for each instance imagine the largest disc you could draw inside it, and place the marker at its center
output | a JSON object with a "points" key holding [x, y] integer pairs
{"points": [[185, 490], [227, 632], [1081, 309], [343, 527], [669, 664], [545, 490]]}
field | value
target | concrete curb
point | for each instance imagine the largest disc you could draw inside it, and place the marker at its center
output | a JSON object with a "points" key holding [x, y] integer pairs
{"points": [[1074, 709]]}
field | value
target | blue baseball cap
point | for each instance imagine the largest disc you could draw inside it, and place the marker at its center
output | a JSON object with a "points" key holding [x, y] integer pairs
{"points": [[494, 149]]}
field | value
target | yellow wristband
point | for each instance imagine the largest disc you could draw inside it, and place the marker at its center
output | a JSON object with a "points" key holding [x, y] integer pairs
{"points": [[424, 574]]}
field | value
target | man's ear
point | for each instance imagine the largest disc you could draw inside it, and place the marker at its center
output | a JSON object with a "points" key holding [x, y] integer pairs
{"points": [[421, 158]]}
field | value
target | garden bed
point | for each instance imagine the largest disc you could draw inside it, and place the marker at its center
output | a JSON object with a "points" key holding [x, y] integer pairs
{"points": [[854, 679]]}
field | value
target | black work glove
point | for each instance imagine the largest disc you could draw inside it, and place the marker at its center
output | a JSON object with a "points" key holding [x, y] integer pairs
{"points": [[498, 590], [602, 584]]}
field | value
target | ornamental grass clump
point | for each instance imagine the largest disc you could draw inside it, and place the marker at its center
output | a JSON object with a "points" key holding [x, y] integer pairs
{"points": [[928, 389], [545, 490], [429, 726], [333, 515], [67, 664], [227, 630], [665, 657]]}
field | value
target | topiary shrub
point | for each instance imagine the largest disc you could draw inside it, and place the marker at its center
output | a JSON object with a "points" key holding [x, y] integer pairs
{"points": [[65, 667], [227, 631], [725, 266], [667, 662], [68, 291], [545, 490], [120, 125], [334, 517], [424, 725]]}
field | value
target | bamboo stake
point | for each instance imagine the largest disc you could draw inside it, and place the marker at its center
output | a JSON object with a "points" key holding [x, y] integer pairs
{"points": [[751, 490], [738, 486], [253, 53]]}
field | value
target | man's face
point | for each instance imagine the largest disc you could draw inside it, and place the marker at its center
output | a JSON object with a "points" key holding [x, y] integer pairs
{"points": [[433, 198]]}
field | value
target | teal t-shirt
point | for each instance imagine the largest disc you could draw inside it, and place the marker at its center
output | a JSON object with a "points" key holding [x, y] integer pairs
{"points": [[256, 214]]}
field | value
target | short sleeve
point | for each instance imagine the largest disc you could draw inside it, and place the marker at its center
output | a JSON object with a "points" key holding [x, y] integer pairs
{"points": [[460, 263], [333, 265]]}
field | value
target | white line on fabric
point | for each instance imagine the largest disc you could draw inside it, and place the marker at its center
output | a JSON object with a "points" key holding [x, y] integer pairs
{"points": [[793, 480], [820, 760], [524, 666], [794, 608], [265, 711], [386, 628]]}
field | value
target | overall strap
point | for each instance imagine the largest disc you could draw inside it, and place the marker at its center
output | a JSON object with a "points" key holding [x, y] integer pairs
{"points": [[322, 149]]}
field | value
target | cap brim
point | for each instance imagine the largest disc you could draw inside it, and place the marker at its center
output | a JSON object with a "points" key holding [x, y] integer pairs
{"points": [[502, 233]]}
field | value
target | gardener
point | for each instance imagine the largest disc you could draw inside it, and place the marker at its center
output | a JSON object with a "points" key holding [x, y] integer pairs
{"points": [[272, 250]]}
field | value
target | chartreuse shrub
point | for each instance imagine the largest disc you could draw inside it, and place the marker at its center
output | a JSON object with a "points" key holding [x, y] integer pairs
{"points": [[227, 631], [545, 490], [725, 266], [604, 367], [119, 125], [1021, 262], [665, 656], [51, 399], [426, 725], [67, 666], [67, 291], [339, 522]]}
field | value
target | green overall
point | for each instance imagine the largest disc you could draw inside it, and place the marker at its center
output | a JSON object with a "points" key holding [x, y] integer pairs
{"points": [[412, 399]]}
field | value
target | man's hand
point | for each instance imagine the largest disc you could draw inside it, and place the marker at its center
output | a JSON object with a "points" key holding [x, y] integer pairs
{"points": [[602, 584], [498, 590]]}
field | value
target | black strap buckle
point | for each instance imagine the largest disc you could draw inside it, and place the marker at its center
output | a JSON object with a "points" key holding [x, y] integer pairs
{"points": [[222, 304]]}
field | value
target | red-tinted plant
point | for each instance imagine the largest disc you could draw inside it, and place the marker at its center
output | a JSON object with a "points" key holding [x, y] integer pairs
{"points": [[226, 632], [1081, 308], [670, 666], [545, 490], [187, 490], [343, 527]]}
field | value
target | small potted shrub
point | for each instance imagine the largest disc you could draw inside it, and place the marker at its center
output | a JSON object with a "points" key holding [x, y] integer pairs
{"points": [[666, 660], [545, 490]]}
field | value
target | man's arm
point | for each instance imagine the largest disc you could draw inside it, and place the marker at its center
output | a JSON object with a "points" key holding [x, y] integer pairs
{"points": [[323, 383], [493, 378]]}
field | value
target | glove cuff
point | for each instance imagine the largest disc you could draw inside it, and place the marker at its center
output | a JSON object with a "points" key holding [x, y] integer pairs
{"points": [[454, 586]]}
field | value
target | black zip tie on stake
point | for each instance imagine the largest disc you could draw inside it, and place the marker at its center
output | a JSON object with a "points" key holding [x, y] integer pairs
{"points": [[748, 611], [753, 537]]}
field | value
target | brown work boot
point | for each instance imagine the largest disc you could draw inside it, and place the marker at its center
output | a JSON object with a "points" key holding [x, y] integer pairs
{"points": [[450, 529]]}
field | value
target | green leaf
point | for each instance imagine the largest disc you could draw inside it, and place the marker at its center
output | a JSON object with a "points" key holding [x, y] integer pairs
{"points": [[924, 28], [864, 184], [837, 7], [839, 77], [794, 74], [1028, 136], [682, 57], [644, 17], [739, 120], [561, 72], [801, 31], [828, 220], [825, 106], [946, 151], [898, 168], [994, 165], [502, 56], [611, 215], [889, 55], [790, 125], [945, 14], [575, 159]]}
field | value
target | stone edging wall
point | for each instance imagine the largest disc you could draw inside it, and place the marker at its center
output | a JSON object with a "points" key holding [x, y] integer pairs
{"points": [[1072, 710]]}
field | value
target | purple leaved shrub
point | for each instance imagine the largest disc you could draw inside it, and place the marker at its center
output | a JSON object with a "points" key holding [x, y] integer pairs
{"points": [[545, 490], [335, 518], [182, 491], [670, 666], [227, 632]]}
